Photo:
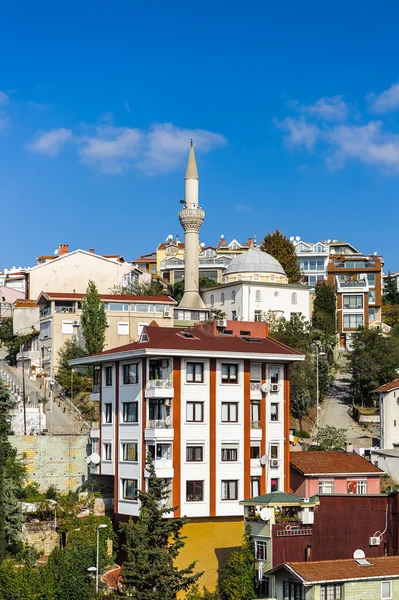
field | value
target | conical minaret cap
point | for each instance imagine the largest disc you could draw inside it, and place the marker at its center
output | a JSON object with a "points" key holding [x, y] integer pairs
{"points": [[191, 171]]}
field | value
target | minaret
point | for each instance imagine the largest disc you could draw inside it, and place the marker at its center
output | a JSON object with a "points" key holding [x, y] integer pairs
{"points": [[191, 218]]}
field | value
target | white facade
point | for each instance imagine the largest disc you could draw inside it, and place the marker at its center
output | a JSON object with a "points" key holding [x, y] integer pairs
{"points": [[389, 419], [313, 260], [249, 301]]}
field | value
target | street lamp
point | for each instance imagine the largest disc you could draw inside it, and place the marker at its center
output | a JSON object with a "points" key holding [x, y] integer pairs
{"points": [[101, 526], [318, 353]]}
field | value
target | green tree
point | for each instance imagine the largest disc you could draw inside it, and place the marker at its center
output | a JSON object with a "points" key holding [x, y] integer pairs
{"points": [[176, 290], [237, 578], [152, 545], [81, 383], [330, 438], [324, 316], [373, 361], [279, 246], [154, 288], [391, 292], [9, 340], [93, 320]]}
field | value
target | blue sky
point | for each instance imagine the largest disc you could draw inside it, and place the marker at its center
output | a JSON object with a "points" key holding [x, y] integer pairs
{"points": [[293, 107]]}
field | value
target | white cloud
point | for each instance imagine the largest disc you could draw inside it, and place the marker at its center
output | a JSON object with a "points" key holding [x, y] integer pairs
{"points": [[386, 101], [4, 99], [328, 109], [243, 208], [51, 142], [299, 132], [112, 149]]}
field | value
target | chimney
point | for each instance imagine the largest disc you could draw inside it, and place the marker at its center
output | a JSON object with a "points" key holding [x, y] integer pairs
{"points": [[63, 249], [91, 250], [349, 447], [249, 242]]}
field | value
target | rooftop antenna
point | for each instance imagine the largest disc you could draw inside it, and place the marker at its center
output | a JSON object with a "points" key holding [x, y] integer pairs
{"points": [[255, 240]]}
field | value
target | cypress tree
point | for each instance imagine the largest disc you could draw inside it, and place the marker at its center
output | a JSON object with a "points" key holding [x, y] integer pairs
{"points": [[324, 316], [279, 246], [93, 320], [6, 452]]}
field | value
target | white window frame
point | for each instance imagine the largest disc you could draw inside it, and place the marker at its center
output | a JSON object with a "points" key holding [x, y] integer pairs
{"points": [[323, 484], [123, 327], [390, 590], [262, 545], [107, 444], [67, 327], [123, 444], [361, 484]]}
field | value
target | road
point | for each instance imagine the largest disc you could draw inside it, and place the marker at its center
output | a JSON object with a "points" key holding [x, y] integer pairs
{"points": [[336, 410]]}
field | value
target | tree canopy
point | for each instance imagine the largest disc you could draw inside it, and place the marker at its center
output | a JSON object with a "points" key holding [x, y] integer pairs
{"points": [[93, 320], [81, 383], [391, 292], [330, 438], [324, 309], [237, 578], [176, 290], [279, 246]]}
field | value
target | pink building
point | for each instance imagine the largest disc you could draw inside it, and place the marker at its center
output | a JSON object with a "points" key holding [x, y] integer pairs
{"points": [[333, 472]]}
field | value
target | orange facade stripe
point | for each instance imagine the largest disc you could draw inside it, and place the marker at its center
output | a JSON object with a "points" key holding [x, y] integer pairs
{"points": [[212, 438], [247, 428], [287, 416], [177, 435], [116, 439], [263, 480], [143, 422]]}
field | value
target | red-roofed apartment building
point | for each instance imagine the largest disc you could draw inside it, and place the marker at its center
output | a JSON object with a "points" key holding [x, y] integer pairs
{"points": [[207, 402], [333, 472]]}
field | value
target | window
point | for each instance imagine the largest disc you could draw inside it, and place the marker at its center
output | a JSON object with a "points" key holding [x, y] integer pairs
{"points": [[96, 380], [372, 297], [255, 451], [212, 300], [108, 376], [371, 313], [386, 590], [194, 453], [274, 411], [255, 486], [229, 373], [234, 315], [331, 591], [294, 298], [355, 301], [274, 485], [129, 489], [361, 487], [195, 372], [260, 550], [255, 415], [123, 328], [258, 296], [116, 307], [131, 373], [222, 298], [45, 330], [258, 316], [229, 412], [233, 296], [160, 451], [229, 489], [353, 321], [107, 451], [108, 413], [274, 451], [194, 491], [371, 279], [229, 454], [326, 487], [129, 451], [156, 409], [195, 411], [67, 327], [275, 373], [130, 412]]}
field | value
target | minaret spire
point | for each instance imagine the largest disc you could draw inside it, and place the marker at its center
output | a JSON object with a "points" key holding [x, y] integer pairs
{"points": [[191, 218]]}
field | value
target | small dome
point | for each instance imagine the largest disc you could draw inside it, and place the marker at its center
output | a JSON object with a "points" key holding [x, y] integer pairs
{"points": [[254, 261]]}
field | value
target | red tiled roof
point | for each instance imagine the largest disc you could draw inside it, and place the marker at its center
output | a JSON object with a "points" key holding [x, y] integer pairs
{"points": [[168, 338], [331, 462], [111, 297], [392, 385], [346, 569]]}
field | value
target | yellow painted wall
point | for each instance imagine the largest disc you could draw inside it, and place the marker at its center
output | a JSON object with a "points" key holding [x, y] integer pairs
{"points": [[210, 543]]}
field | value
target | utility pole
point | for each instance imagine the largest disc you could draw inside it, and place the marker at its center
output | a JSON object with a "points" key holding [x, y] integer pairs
{"points": [[23, 384]]}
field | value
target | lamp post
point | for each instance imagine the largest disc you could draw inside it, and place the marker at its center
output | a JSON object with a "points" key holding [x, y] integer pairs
{"points": [[101, 526], [318, 353]]}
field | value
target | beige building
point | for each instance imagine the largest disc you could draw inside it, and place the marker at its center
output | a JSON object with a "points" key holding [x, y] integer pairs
{"points": [[60, 315], [71, 271]]}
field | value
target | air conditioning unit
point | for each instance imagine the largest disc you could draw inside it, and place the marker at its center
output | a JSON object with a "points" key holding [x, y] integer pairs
{"points": [[167, 312], [221, 323], [167, 402], [374, 540], [75, 324], [274, 387], [274, 462]]}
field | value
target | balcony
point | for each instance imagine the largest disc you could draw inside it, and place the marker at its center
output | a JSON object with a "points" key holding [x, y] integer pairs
{"points": [[95, 393], [159, 388], [159, 429], [45, 311], [255, 391], [64, 309], [256, 430]]}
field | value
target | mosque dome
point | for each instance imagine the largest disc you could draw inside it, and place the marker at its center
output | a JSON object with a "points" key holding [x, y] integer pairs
{"points": [[254, 261]]}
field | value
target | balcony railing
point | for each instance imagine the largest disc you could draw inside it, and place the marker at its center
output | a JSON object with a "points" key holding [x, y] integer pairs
{"points": [[45, 311], [256, 425], [64, 309], [159, 384], [254, 386], [159, 424]]}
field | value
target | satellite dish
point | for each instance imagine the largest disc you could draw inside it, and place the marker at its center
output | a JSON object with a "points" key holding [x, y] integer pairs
{"points": [[358, 554], [328, 241], [56, 251], [264, 459], [95, 458], [292, 238], [170, 237], [265, 514], [168, 421], [222, 236], [202, 245], [263, 388], [298, 239], [375, 253]]}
